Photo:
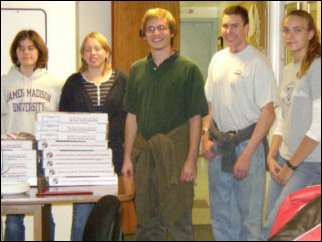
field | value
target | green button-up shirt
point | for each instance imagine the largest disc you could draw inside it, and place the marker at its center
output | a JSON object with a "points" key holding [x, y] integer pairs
{"points": [[164, 97]]}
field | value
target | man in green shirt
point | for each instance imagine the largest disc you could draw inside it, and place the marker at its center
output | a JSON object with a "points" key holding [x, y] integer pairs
{"points": [[165, 102]]}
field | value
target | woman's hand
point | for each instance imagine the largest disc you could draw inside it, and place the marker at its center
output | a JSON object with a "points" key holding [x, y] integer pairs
{"points": [[274, 168], [284, 175]]}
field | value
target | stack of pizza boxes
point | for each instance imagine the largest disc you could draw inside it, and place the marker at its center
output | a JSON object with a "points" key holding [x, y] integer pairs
{"points": [[74, 150], [21, 159]]}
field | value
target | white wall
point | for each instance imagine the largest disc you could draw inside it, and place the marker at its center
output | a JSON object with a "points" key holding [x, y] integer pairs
{"points": [[61, 35], [93, 16]]}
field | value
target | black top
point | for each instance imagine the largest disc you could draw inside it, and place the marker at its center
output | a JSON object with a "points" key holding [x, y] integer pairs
{"points": [[75, 98], [99, 93]]}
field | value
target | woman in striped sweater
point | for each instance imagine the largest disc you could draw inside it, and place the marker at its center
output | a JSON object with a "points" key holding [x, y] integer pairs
{"points": [[96, 88]]}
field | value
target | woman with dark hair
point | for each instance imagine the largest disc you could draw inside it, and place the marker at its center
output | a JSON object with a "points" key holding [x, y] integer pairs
{"points": [[294, 158], [27, 89]]}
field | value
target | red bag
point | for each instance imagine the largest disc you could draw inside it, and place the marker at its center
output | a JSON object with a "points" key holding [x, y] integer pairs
{"points": [[289, 215]]}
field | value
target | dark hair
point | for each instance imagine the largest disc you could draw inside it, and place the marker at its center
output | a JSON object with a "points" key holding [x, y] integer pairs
{"points": [[38, 42], [238, 10], [314, 49]]}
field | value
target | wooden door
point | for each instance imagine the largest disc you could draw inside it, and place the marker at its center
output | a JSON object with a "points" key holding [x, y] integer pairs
{"points": [[127, 45]]}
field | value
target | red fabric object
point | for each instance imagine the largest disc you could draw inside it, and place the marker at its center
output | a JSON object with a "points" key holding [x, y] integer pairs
{"points": [[292, 204], [312, 235]]}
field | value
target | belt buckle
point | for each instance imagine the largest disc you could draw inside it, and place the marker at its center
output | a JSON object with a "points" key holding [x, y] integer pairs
{"points": [[232, 133]]}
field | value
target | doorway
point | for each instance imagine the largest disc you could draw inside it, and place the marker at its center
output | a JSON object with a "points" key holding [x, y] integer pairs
{"points": [[198, 41]]}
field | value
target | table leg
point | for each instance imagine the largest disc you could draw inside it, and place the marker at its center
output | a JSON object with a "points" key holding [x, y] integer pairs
{"points": [[41, 223], [40, 215]]}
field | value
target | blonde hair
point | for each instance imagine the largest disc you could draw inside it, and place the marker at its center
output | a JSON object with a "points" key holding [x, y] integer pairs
{"points": [[159, 13], [105, 45], [314, 49]]}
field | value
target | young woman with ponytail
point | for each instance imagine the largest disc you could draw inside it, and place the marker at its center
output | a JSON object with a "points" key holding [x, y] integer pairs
{"points": [[294, 158]]}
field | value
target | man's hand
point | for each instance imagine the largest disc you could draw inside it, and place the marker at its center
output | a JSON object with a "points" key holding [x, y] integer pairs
{"points": [[207, 149], [127, 169], [242, 165], [189, 172]]}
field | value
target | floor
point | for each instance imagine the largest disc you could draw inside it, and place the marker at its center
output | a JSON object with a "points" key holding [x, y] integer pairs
{"points": [[200, 211]]}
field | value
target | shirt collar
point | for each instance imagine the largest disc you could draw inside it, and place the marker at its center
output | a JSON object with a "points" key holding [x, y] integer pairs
{"points": [[171, 58]]}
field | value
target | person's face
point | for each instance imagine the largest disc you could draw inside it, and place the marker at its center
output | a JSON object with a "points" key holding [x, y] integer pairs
{"points": [[234, 32], [296, 35], [157, 34], [27, 53], [94, 53]]}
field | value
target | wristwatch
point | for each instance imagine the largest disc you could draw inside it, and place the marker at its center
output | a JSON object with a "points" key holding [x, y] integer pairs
{"points": [[204, 130], [291, 166]]}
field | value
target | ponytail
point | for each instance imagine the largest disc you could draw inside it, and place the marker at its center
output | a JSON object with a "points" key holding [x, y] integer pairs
{"points": [[314, 49]]}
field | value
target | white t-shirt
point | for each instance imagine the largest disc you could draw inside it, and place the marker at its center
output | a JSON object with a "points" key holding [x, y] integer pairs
{"points": [[296, 98], [238, 86]]}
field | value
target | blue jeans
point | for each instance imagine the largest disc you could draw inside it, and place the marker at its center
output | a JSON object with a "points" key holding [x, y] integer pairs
{"points": [[81, 212], [236, 205], [15, 229], [308, 173]]}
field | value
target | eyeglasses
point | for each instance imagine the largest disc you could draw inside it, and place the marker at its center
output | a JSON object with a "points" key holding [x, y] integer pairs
{"points": [[160, 28]]}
